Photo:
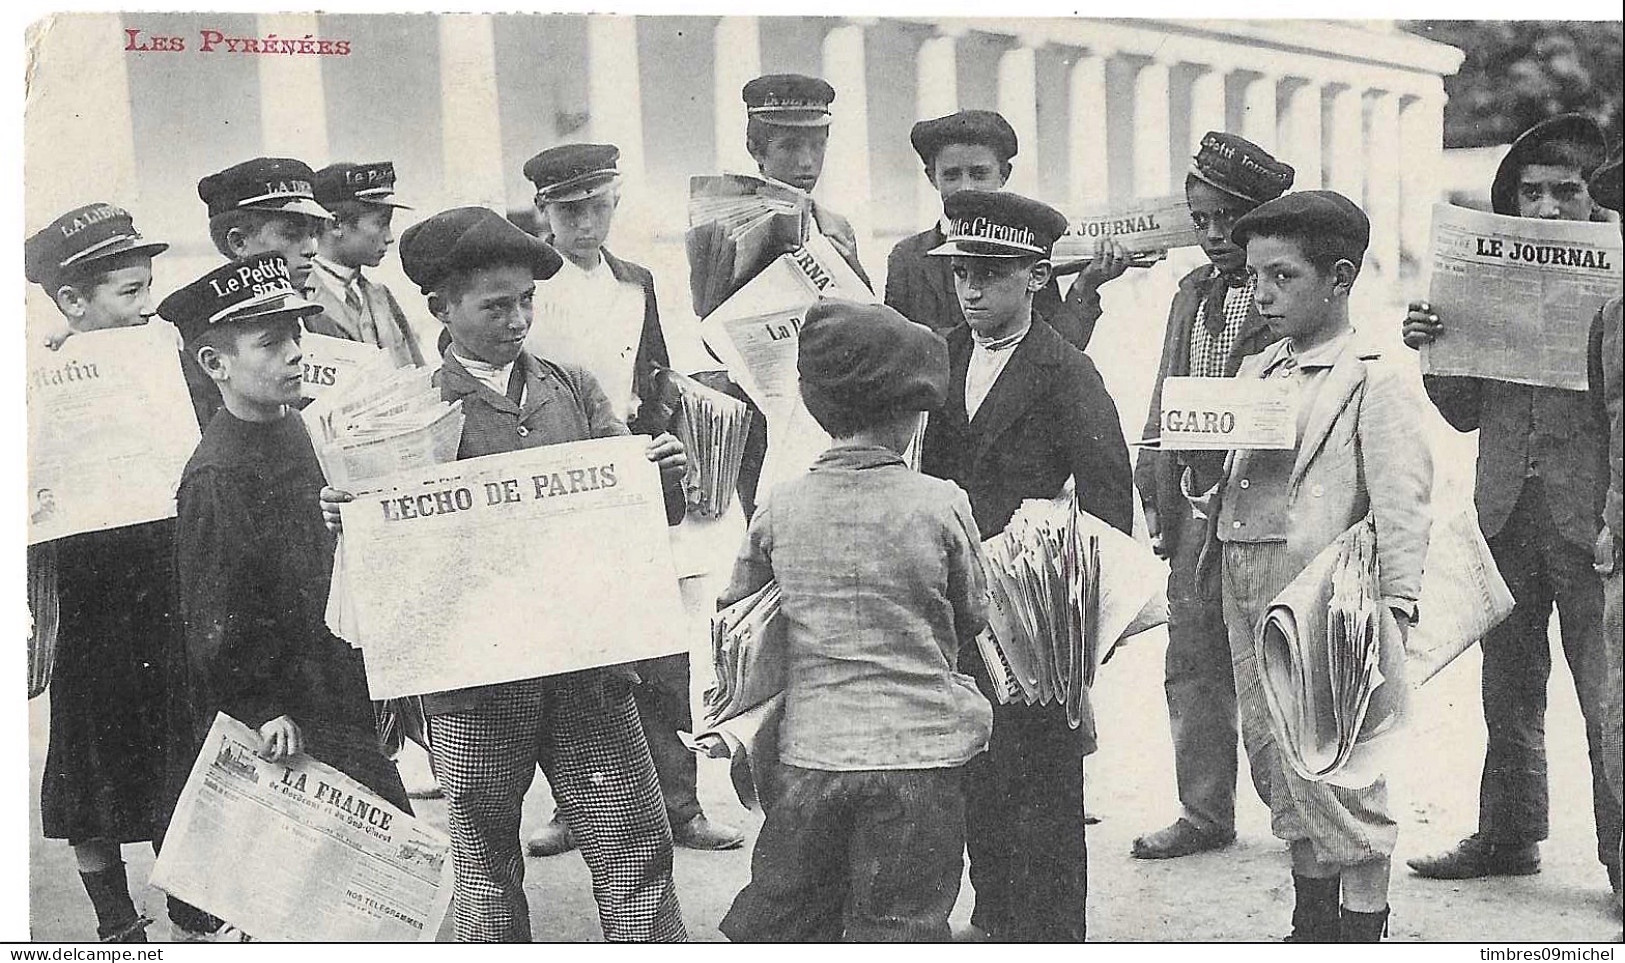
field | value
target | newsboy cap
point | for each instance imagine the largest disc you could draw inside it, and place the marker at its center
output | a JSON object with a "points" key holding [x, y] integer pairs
{"points": [[257, 288], [984, 127], [80, 238], [1335, 223], [470, 237], [789, 100], [371, 183], [572, 172], [1240, 167], [1578, 131], [867, 360], [999, 224], [1605, 180], [263, 184]]}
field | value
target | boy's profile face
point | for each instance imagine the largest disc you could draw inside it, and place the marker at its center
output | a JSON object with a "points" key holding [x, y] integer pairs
{"points": [[257, 365], [794, 155], [1553, 192], [118, 298], [995, 293], [1214, 213], [291, 235], [1294, 295], [581, 227], [957, 167], [489, 314], [361, 242]]}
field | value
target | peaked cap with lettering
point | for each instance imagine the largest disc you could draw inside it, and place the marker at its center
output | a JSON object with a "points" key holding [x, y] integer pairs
{"points": [[371, 183], [263, 184], [999, 224], [257, 288], [80, 238], [789, 100], [1240, 168]]}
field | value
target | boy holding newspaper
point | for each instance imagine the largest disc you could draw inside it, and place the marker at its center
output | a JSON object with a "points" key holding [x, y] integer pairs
{"points": [[479, 273], [880, 571], [1359, 451]]}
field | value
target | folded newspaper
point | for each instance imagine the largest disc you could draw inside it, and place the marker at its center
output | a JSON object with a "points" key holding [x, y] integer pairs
{"points": [[387, 422], [743, 707], [1463, 593], [712, 428], [749, 740], [1064, 588], [757, 217], [298, 851], [1146, 228]]}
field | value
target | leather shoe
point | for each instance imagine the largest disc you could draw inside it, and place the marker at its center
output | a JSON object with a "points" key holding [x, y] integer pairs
{"points": [[702, 833], [1476, 857], [1183, 838], [551, 840]]}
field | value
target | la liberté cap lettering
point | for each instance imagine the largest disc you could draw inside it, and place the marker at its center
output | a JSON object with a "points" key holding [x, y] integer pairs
{"points": [[466, 238], [789, 100], [999, 224], [573, 172], [257, 288], [264, 183], [371, 183], [1240, 168], [80, 238]]}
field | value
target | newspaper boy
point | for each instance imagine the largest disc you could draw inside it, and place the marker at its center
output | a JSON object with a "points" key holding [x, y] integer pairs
{"points": [[252, 556], [479, 272], [881, 573]]}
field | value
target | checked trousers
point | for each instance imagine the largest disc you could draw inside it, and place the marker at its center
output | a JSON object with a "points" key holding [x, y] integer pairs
{"points": [[583, 731]]}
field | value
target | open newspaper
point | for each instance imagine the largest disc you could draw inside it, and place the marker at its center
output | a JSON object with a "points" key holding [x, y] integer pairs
{"points": [[110, 427], [298, 851], [756, 334], [756, 217], [712, 428], [1145, 227], [566, 542], [1064, 588], [1517, 295]]}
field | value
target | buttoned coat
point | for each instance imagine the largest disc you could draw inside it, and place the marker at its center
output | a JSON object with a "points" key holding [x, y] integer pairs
{"points": [[921, 288], [395, 333]]}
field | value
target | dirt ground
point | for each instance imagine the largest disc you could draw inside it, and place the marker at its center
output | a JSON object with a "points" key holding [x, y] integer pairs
{"points": [[1243, 893]]}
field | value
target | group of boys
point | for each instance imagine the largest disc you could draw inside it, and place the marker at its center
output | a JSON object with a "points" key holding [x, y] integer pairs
{"points": [[895, 756]]}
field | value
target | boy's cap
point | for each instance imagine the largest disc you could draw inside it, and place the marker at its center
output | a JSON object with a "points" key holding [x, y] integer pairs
{"points": [[1325, 214], [372, 183], [999, 224], [80, 237], [1577, 130], [1240, 167], [257, 288], [964, 127], [573, 172], [1605, 180], [789, 100], [867, 358], [263, 184], [471, 237]]}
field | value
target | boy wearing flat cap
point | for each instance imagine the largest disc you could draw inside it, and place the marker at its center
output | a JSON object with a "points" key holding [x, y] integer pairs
{"points": [[600, 312], [1540, 483], [1025, 412], [1360, 453], [1212, 325], [252, 555], [882, 580], [260, 206], [972, 149], [103, 780], [479, 273], [361, 198]]}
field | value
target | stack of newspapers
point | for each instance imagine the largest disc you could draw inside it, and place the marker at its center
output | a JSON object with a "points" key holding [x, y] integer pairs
{"points": [[747, 651], [712, 428], [391, 420], [759, 219], [1065, 589]]}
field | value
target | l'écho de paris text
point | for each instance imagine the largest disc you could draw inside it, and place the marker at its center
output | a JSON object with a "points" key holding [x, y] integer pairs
{"points": [[209, 40]]}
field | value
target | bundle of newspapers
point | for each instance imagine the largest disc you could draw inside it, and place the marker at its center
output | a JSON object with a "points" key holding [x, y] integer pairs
{"points": [[712, 428], [761, 218], [392, 420], [743, 708], [1064, 588]]}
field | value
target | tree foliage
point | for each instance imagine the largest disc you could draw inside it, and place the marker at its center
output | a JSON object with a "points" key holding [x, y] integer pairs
{"points": [[1519, 72]]}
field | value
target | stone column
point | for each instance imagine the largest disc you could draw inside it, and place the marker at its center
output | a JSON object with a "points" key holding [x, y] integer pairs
{"points": [[736, 60], [616, 108], [1382, 168], [936, 93], [293, 109], [1018, 102], [845, 181], [1087, 156], [79, 139], [1300, 132], [1344, 160], [1207, 106], [1258, 110], [1421, 145], [470, 127], [1151, 134]]}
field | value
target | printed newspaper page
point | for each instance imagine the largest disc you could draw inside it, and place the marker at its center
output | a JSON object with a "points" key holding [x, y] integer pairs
{"points": [[567, 542], [1143, 227], [1517, 295], [332, 364], [298, 851], [1208, 414], [110, 426]]}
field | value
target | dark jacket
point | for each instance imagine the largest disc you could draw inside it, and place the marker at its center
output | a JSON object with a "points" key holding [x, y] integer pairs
{"points": [[921, 288], [652, 354], [1606, 359]]}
